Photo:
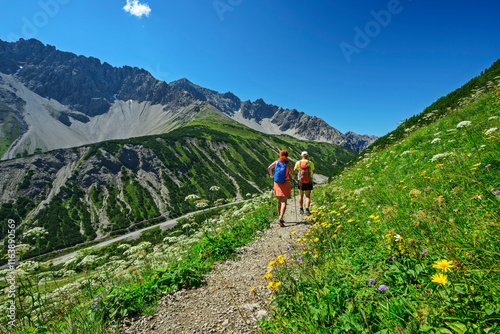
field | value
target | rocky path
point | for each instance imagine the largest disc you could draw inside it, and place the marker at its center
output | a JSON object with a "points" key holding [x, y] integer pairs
{"points": [[225, 304]]}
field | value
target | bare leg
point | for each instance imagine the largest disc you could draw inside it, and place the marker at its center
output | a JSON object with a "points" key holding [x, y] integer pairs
{"points": [[283, 206], [279, 205], [308, 198], [301, 199]]}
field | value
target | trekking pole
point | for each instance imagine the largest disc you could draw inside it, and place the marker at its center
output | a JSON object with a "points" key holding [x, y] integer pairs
{"points": [[271, 202], [295, 195], [310, 194]]}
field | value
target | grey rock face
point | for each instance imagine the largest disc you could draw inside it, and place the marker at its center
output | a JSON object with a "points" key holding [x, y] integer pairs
{"points": [[359, 141], [273, 119], [83, 83], [45, 168]]}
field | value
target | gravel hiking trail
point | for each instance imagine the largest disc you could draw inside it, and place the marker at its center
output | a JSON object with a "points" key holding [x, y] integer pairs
{"points": [[224, 303]]}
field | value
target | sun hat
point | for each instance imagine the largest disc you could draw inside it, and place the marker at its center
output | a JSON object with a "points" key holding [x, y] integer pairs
{"points": [[304, 154]]}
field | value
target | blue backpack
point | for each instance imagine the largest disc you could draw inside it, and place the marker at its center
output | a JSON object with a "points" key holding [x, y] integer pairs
{"points": [[280, 172]]}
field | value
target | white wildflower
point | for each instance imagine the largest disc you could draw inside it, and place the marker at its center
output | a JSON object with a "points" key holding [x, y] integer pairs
{"points": [[69, 273], [87, 260], [436, 140], [201, 205], [142, 246], [490, 131], [124, 246], [170, 239], [191, 197], [24, 246], [441, 155], [19, 273], [71, 261], [36, 232], [492, 118], [28, 265], [4, 272], [214, 188], [437, 134], [464, 124]]}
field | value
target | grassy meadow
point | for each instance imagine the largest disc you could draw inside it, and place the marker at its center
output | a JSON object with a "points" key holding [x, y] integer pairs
{"points": [[405, 240]]}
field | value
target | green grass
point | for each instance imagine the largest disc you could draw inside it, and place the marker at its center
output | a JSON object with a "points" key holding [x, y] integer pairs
{"points": [[391, 217]]}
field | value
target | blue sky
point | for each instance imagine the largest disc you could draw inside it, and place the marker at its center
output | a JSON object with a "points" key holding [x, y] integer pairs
{"points": [[330, 59]]}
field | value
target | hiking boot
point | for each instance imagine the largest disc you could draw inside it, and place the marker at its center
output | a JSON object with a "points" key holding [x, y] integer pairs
{"points": [[308, 212], [301, 211], [281, 222]]}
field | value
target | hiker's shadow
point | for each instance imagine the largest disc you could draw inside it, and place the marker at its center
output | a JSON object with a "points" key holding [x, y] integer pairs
{"points": [[295, 222]]}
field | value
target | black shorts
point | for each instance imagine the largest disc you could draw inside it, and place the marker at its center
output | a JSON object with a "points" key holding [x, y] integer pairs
{"points": [[305, 186]]}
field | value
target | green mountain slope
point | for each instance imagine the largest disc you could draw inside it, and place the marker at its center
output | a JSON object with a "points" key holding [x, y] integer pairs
{"points": [[109, 188], [407, 238]]}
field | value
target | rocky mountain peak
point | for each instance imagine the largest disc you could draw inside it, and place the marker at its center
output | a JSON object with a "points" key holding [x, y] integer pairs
{"points": [[82, 88]]}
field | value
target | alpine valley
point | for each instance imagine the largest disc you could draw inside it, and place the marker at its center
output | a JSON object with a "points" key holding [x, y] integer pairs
{"points": [[90, 150]]}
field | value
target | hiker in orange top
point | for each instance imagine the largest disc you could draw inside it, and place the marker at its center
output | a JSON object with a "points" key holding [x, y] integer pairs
{"points": [[306, 170], [282, 188]]}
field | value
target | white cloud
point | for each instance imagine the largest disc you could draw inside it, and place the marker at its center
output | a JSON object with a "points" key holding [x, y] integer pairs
{"points": [[138, 9]]}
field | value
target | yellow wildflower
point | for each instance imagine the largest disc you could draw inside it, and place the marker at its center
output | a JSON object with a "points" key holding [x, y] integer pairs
{"points": [[443, 265], [440, 279], [293, 232], [252, 289]]}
